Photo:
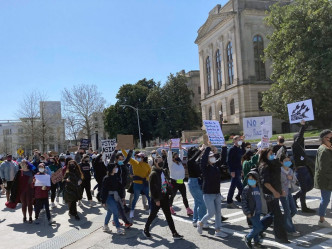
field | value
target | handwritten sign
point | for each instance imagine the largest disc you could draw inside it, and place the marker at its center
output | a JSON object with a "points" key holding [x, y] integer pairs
{"points": [[299, 111], [125, 142], [108, 146], [265, 141], [175, 142], [43, 180], [57, 176], [84, 144], [214, 132], [252, 127]]}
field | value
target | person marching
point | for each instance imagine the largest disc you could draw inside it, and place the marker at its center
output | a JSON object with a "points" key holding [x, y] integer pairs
{"points": [[53, 166], [160, 192], [86, 183], [8, 170], [177, 173]]}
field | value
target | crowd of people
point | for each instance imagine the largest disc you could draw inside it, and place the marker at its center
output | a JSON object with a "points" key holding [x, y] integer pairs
{"points": [[263, 177]]}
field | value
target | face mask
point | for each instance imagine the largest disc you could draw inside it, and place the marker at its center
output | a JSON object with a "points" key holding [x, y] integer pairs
{"points": [[41, 170], [120, 162], [281, 140], [248, 149], [153, 155], [139, 159], [239, 143], [287, 164], [271, 157], [116, 170], [212, 159], [177, 159], [251, 182]]}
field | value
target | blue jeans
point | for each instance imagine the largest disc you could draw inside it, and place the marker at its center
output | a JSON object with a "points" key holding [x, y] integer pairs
{"points": [[197, 193], [112, 208], [257, 227], [213, 206], [138, 188], [289, 207], [324, 201], [235, 183]]}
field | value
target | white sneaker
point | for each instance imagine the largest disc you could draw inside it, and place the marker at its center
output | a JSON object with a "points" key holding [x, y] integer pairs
{"points": [[120, 231], [106, 229], [199, 227], [220, 234], [53, 205], [295, 234], [131, 215], [195, 224], [324, 224]]}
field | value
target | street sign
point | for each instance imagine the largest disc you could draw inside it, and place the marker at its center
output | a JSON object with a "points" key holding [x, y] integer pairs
{"points": [[20, 151]]}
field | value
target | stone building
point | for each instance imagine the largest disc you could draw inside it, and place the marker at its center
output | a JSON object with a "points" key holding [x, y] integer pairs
{"points": [[193, 84], [232, 73]]}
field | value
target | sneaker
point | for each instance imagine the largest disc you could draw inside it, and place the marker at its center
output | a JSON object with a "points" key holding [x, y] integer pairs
{"points": [[189, 212], [206, 226], [258, 245], [222, 198], [247, 242], [120, 231], [172, 211], [30, 220], [295, 234], [53, 205], [51, 221], [131, 214], [77, 217], [106, 229], [128, 225], [146, 233], [57, 200], [177, 236], [308, 210], [231, 205], [324, 224], [199, 227], [223, 218], [113, 223], [37, 221], [24, 219], [194, 224], [220, 234]]}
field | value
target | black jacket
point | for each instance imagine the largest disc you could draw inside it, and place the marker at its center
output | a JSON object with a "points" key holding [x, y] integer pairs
{"points": [[86, 170], [194, 170], [211, 175], [234, 157], [155, 183], [99, 169], [298, 148], [270, 173], [111, 183]]}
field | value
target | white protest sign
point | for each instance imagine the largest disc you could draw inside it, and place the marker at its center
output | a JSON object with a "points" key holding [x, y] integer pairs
{"points": [[108, 146], [300, 111], [175, 142], [43, 180], [265, 141], [214, 132], [252, 127]]}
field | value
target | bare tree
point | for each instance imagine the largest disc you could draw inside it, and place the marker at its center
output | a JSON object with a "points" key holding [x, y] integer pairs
{"points": [[72, 128], [81, 102]]}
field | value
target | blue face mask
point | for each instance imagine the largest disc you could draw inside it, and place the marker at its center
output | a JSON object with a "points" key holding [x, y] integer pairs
{"points": [[287, 164], [139, 159], [251, 182], [271, 157], [120, 162]]}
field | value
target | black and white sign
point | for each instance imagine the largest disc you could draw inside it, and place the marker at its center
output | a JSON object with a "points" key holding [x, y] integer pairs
{"points": [[84, 144], [108, 146], [300, 111]]}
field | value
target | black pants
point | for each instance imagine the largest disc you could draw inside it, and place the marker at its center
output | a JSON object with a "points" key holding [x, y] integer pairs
{"points": [[306, 181], [86, 184], [53, 191], [72, 208], [40, 203], [278, 220], [182, 188], [164, 205]]}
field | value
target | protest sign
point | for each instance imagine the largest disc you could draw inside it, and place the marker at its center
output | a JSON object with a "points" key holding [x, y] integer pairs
{"points": [[265, 141], [175, 142], [125, 142], [108, 146], [299, 111], [252, 127], [214, 132], [43, 180], [57, 176], [84, 144]]}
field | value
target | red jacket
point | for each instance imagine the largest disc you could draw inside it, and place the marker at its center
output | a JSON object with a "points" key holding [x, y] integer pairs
{"points": [[39, 193]]}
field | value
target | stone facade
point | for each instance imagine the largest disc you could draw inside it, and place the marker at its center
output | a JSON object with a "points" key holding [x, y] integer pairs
{"points": [[233, 76], [194, 85]]}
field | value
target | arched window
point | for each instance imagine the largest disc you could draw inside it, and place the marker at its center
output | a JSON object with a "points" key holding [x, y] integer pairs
{"points": [[208, 75], [221, 114], [232, 107], [210, 113], [230, 69], [218, 69], [258, 54]]}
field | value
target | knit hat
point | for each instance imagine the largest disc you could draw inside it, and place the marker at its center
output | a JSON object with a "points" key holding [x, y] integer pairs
{"points": [[324, 133], [254, 174]]}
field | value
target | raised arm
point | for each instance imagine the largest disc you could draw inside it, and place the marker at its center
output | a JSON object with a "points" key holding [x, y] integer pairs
{"points": [[113, 156], [128, 157]]}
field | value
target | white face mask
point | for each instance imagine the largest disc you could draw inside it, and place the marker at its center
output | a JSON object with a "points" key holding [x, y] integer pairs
{"points": [[153, 155], [212, 159], [239, 143], [41, 170], [248, 149]]}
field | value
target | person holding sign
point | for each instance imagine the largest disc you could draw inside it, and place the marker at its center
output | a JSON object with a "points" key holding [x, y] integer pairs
{"points": [[177, 173], [41, 196]]}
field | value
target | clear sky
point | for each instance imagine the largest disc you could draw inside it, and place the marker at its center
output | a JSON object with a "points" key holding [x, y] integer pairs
{"points": [[51, 45]]}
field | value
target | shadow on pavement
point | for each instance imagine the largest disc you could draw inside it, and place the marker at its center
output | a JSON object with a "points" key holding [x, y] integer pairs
{"points": [[42, 230]]}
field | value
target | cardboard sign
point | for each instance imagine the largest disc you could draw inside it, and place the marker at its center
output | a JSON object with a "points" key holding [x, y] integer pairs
{"points": [[175, 142], [57, 176], [299, 111], [125, 142], [84, 144], [108, 146], [252, 127], [43, 180], [214, 132]]}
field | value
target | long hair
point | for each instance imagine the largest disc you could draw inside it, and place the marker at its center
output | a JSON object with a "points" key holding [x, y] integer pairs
{"points": [[78, 170], [247, 156], [263, 156]]}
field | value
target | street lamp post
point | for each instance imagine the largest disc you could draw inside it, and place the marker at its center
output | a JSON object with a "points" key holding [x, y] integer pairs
{"points": [[221, 119], [139, 127]]}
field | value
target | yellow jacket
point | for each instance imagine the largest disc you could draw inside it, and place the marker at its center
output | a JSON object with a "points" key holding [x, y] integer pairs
{"points": [[141, 169]]}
